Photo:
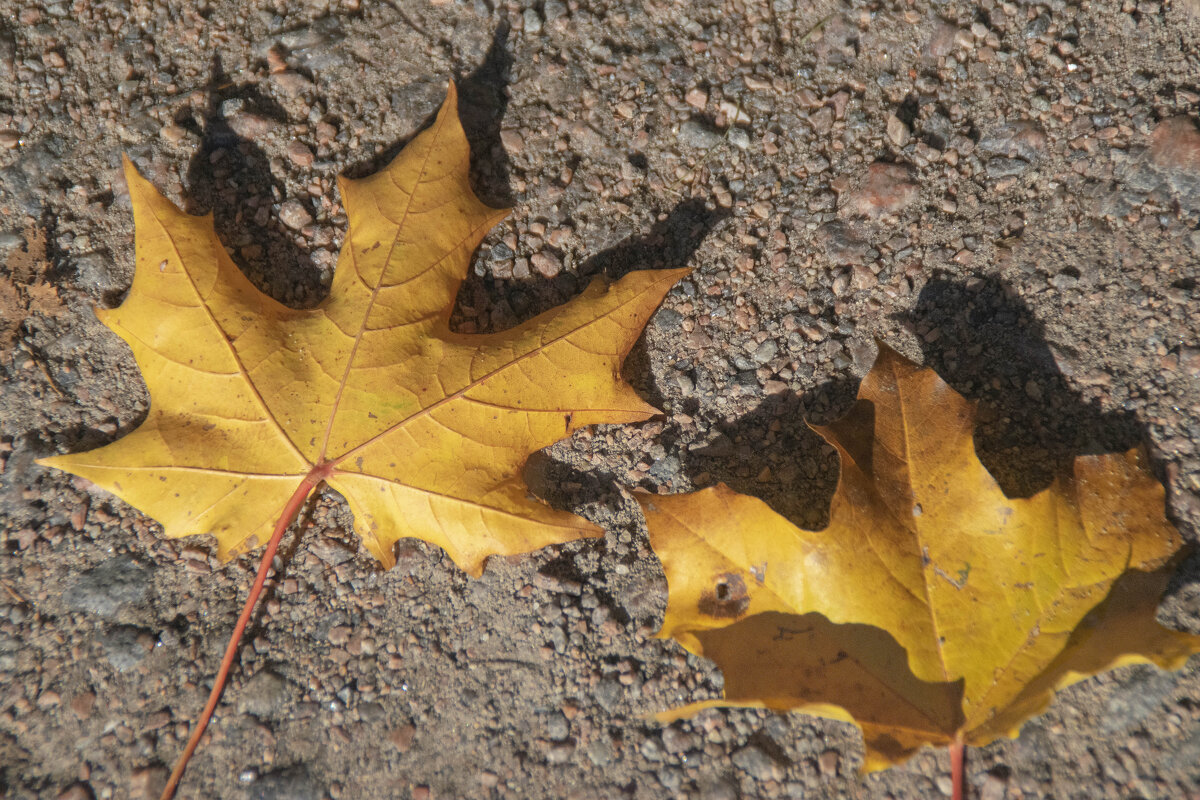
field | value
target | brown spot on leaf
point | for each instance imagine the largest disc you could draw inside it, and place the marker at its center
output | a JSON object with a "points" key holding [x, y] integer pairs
{"points": [[728, 598]]}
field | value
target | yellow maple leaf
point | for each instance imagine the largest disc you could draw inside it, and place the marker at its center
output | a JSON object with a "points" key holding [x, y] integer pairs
{"points": [[423, 430], [932, 609]]}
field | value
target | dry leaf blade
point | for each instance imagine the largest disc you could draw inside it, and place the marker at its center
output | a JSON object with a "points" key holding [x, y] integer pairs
{"points": [[423, 430], [1002, 600]]}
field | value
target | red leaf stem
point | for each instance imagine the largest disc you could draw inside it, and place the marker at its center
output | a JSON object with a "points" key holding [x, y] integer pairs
{"points": [[285, 519], [957, 755]]}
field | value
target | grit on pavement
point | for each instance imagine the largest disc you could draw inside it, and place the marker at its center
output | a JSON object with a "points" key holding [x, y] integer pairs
{"points": [[1006, 191]]}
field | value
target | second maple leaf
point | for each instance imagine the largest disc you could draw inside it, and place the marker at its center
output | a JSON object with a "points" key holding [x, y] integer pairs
{"points": [[933, 609]]}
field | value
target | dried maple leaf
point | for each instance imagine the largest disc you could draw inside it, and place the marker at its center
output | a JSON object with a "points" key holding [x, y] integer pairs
{"points": [[423, 430], [933, 609], [12, 311], [24, 289]]}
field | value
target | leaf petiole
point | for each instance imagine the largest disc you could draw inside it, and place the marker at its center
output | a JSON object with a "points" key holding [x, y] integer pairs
{"points": [[290, 511], [958, 752]]}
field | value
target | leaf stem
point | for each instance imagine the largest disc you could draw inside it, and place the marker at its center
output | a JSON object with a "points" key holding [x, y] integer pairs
{"points": [[285, 519], [957, 755]]}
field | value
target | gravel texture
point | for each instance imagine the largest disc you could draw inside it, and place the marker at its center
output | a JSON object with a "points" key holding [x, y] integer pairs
{"points": [[1006, 191]]}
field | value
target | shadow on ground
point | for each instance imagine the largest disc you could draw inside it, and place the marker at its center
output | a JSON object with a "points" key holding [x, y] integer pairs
{"points": [[231, 176], [990, 348], [482, 103], [669, 243], [771, 453]]}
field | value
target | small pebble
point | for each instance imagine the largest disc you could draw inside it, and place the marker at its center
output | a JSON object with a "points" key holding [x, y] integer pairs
{"points": [[887, 188], [147, 783], [513, 142], [700, 135], [263, 694], [171, 133], [249, 125], [546, 263], [600, 750], [402, 737], [532, 21], [300, 155], [292, 83], [676, 740], [1024, 140], [294, 215], [1175, 145], [757, 764]]}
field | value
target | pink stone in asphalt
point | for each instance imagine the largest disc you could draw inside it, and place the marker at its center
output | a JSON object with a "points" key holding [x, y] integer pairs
{"points": [[886, 189], [1175, 145]]}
